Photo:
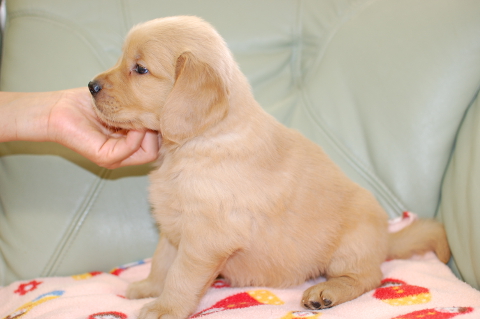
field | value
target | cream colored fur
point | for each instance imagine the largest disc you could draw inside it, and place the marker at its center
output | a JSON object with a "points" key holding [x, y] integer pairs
{"points": [[235, 192]]}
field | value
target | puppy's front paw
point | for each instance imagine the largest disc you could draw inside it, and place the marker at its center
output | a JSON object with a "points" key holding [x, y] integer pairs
{"points": [[155, 310], [320, 296], [143, 289]]}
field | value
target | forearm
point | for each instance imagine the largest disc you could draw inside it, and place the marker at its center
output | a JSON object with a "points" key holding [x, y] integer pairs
{"points": [[24, 116]]}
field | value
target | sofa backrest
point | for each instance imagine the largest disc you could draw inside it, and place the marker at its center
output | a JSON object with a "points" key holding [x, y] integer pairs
{"points": [[387, 88]]}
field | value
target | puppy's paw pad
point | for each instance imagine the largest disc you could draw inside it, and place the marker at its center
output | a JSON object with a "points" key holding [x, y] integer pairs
{"points": [[316, 305]]}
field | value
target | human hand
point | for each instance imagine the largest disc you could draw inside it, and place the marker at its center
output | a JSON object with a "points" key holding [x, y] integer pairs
{"points": [[72, 122]]}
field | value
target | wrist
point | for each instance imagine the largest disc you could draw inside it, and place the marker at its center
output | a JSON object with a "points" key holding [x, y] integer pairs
{"points": [[25, 116]]}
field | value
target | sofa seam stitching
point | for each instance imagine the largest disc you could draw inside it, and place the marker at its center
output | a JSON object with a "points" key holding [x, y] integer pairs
{"points": [[69, 236]]}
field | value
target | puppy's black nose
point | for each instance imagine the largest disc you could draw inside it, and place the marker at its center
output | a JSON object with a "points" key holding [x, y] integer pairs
{"points": [[94, 87]]}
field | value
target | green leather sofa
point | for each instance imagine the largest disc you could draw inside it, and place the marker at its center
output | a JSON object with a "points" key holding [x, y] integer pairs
{"points": [[388, 88]]}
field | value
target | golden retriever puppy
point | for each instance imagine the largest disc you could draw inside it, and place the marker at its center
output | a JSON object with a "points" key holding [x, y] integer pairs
{"points": [[235, 193]]}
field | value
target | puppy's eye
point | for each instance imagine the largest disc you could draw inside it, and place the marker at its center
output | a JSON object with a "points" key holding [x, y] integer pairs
{"points": [[140, 69]]}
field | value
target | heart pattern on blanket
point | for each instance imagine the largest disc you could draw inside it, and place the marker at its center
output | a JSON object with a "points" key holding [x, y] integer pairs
{"points": [[397, 292], [436, 313], [242, 300]]}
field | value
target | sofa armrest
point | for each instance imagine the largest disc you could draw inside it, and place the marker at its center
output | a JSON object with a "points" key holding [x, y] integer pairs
{"points": [[460, 202]]}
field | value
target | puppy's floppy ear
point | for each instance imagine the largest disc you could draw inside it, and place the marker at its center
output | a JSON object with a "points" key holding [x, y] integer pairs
{"points": [[197, 101]]}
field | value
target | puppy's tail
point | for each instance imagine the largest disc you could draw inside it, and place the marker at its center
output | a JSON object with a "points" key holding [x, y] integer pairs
{"points": [[421, 236]]}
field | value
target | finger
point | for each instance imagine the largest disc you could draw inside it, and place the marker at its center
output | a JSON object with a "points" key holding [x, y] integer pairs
{"points": [[116, 150], [147, 152], [151, 144]]}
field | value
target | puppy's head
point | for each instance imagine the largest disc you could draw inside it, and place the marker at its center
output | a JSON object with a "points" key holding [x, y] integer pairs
{"points": [[173, 77]]}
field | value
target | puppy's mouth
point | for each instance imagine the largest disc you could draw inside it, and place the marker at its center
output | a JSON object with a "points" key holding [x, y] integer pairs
{"points": [[105, 108], [116, 115], [111, 120]]}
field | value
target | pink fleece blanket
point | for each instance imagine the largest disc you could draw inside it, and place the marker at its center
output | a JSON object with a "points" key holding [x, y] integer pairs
{"points": [[421, 287]]}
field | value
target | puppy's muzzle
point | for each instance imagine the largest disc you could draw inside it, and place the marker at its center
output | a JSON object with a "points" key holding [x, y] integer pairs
{"points": [[94, 87]]}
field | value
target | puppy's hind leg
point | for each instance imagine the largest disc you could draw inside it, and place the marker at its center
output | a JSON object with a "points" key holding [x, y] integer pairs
{"points": [[152, 286], [340, 289], [353, 270]]}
